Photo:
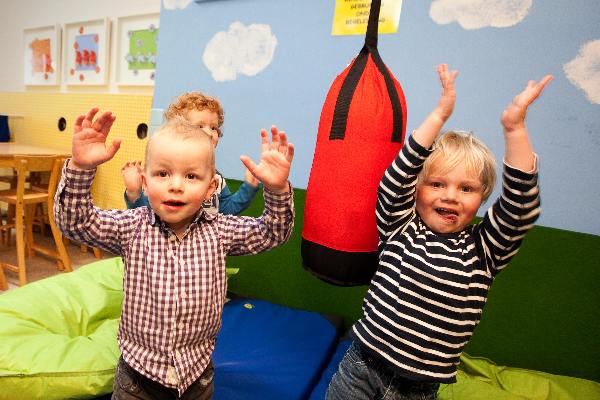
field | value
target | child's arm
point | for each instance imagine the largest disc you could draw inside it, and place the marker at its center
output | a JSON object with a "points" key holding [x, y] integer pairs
{"points": [[74, 212], [518, 150], [235, 203], [426, 133], [514, 213], [132, 176], [395, 195], [244, 235]]}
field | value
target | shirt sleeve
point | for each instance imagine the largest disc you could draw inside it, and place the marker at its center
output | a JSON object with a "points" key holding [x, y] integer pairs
{"points": [[396, 192], [80, 220], [235, 203], [500, 233], [248, 235], [141, 201]]}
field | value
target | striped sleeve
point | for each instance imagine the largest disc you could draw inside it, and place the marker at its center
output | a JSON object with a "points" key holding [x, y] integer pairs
{"points": [[514, 213], [395, 195]]}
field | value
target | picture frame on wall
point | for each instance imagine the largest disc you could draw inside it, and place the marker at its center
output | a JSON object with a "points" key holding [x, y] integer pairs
{"points": [[86, 49], [137, 45], [41, 48]]}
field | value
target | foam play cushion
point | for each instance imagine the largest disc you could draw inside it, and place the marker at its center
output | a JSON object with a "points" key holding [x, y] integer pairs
{"points": [[58, 335], [267, 351], [480, 378]]}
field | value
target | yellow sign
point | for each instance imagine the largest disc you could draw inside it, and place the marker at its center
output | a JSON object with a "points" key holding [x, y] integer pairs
{"points": [[352, 16]]}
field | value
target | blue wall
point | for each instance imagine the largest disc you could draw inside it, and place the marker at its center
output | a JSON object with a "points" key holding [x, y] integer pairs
{"points": [[494, 64]]}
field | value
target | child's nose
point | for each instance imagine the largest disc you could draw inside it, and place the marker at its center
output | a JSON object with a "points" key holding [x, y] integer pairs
{"points": [[450, 194], [176, 183]]}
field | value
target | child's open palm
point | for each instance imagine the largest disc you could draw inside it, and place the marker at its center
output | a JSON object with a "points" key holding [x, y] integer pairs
{"points": [[89, 140], [445, 106], [275, 161], [513, 116]]}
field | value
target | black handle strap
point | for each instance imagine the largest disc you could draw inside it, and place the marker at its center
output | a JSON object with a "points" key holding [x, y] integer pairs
{"points": [[342, 104]]}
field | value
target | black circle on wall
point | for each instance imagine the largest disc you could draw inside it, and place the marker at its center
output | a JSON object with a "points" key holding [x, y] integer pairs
{"points": [[62, 124], [142, 131]]}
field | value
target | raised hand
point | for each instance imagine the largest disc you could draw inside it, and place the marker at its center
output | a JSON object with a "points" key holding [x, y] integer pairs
{"points": [[445, 105], [275, 161], [513, 116], [89, 140], [426, 133], [132, 175]]}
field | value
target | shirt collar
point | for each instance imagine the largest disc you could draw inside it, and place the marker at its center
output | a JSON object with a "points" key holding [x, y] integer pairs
{"points": [[154, 219]]}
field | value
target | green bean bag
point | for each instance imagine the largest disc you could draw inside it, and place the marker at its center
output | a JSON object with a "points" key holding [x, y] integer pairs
{"points": [[480, 379], [58, 335]]}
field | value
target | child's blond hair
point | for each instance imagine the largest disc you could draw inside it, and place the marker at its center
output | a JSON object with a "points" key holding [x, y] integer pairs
{"points": [[182, 128], [195, 101], [455, 147]]}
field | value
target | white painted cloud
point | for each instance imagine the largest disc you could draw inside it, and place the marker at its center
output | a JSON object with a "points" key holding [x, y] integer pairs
{"points": [[242, 49], [175, 4], [584, 70], [476, 14]]}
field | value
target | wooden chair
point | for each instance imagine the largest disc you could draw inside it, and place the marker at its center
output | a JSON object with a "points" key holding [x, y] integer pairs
{"points": [[24, 201]]}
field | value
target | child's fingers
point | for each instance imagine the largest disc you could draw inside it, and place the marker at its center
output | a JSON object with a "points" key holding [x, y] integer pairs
{"points": [[275, 139], [290, 152], [104, 122], [264, 140], [114, 147], [249, 164], [78, 123], [283, 143]]}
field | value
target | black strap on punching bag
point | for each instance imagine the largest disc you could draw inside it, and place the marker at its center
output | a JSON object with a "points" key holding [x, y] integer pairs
{"points": [[342, 105]]}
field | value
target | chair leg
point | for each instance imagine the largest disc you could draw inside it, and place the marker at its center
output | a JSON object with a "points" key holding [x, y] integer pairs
{"points": [[97, 252], [60, 247], [3, 282], [20, 244], [29, 215]]}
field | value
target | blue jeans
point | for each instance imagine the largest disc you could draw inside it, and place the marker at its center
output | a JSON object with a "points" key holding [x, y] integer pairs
{"points": [[361, 376]]}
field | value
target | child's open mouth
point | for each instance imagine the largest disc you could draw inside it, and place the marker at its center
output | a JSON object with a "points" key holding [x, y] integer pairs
{"points": [[449, 215], [174, 203]]}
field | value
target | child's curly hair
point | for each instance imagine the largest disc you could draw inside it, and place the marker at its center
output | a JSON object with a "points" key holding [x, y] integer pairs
{"points": [[194, 101]]}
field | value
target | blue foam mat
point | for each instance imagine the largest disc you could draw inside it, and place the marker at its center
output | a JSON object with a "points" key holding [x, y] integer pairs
{"points": [[267, 351]]}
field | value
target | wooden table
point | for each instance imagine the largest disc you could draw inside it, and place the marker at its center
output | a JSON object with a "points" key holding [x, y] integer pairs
{"points": [[12, 148]]}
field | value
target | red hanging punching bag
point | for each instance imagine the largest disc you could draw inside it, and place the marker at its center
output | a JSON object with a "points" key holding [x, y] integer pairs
{"points": [[361, 130]]}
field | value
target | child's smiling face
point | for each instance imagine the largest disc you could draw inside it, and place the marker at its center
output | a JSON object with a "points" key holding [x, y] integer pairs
{"points": [[178, 177], [448, 202]]}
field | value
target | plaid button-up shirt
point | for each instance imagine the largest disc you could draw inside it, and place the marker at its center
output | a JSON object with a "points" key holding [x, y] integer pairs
{"points": [[174, 289]]}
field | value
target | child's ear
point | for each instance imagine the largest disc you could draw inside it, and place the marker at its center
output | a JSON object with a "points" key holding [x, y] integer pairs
{"points": [[211, 188]]}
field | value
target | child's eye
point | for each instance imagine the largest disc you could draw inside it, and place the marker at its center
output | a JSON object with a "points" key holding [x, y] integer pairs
{"points": [[436, 185], [467, 189], [191, 176], [162, 174]]}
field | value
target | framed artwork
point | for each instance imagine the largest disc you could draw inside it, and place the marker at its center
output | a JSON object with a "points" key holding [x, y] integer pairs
{"points": [[42, 55], [137, 44], [86, 48]]}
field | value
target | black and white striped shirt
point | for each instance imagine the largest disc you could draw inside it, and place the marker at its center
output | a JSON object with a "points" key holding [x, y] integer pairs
{"points": [[430, 289]]}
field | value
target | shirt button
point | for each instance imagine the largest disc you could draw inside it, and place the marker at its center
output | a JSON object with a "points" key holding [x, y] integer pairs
{"points": [[172, 238]]}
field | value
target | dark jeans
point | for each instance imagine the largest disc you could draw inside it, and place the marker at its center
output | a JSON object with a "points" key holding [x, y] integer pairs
{"points": [[130, 384], [363, 377]]}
